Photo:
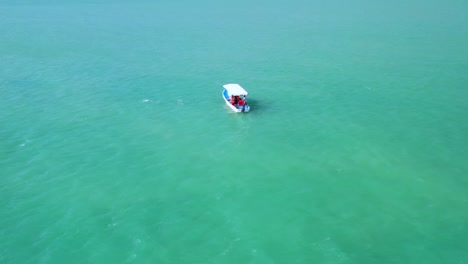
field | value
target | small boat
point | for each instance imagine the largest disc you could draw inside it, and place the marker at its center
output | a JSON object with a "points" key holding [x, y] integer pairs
{"points": [[236, 97]]}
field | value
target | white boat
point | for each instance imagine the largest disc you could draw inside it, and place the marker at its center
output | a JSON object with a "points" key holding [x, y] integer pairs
{"points": [[236, 97]]}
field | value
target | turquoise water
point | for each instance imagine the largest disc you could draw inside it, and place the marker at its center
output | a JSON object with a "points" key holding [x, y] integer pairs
{"points": [[116, 145]]}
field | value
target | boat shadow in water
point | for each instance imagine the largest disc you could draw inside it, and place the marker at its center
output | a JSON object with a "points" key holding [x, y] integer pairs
{"points": [[257, 105]]}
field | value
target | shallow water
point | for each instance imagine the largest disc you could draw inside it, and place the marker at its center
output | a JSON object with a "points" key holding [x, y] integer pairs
{"points": [[116, 145]]}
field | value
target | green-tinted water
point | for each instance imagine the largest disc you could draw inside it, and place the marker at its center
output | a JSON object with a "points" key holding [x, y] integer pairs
{"points": [[116, 146]]}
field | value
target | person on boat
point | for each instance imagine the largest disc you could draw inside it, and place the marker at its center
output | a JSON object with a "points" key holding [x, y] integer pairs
{"points": [[241, 102], [233, 99]]}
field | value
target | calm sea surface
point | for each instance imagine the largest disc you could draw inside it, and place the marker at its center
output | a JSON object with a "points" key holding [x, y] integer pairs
{"points": [[117, 147]]}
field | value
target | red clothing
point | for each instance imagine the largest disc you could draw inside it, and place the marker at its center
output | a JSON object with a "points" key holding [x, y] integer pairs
{"points": [[241, 102]]}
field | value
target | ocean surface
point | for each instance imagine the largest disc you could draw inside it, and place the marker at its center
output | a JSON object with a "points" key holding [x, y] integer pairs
{"points": [[117, 147]]}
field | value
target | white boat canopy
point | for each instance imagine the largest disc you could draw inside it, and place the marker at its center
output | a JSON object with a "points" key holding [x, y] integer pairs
{"points": [[235, 89]]}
